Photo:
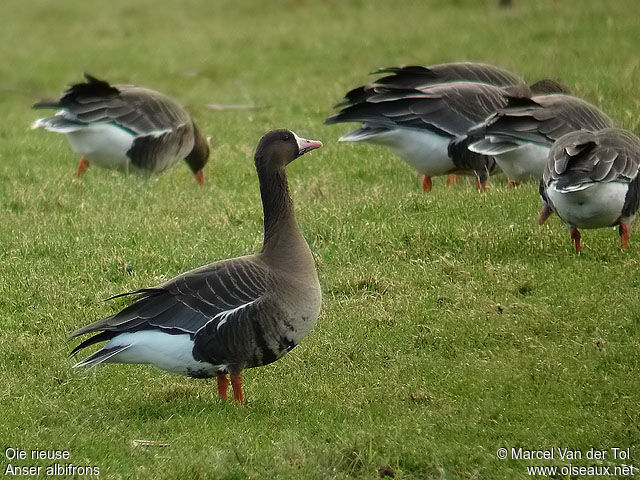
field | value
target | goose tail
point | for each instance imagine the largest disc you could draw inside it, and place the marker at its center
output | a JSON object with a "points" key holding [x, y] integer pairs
{"points": [[101, 356]]}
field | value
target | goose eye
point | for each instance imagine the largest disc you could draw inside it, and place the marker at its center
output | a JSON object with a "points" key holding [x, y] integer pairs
{"points": [[286, 138]]}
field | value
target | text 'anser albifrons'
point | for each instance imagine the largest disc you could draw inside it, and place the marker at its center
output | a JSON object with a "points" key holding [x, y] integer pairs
{"points": [[127, 128], [591, 181], [233, 314]]}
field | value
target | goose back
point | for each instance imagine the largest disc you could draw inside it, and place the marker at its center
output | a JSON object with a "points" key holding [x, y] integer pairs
{"points": [[415, 76], [583, 157], [541, 119]]}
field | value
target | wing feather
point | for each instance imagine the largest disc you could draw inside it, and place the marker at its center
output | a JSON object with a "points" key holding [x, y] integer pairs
{"points": [[190, 301], [452, 108], [139, 110], [414, 77], [541, 119], [582, 157]]}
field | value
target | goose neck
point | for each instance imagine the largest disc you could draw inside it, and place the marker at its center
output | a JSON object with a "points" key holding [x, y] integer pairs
{"points": [[279, 217]]}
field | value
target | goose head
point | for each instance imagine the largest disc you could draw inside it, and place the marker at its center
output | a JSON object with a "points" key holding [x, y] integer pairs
{"points": [[199, 155], [278, 148]]}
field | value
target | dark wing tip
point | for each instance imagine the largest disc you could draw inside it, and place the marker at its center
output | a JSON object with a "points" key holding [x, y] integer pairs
{"points": [[91, 88], [519, 102], [332, 119], [145, 292], [402, 69], [91, 79], [95, 84], [100, 337], [46, 103]]}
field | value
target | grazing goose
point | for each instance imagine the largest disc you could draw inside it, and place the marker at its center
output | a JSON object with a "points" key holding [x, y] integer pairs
{"points": [[126, 127], [520, 135], [421, 125], [408, 145], [591, 181], [232, 314]]}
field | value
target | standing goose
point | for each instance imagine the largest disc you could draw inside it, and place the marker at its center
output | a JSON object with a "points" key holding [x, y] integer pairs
{"points": [[591, 181], [126, 127], [233, 314], [520, 135]]}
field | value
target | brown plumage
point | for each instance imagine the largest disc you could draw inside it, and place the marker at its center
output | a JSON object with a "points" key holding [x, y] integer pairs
{"points": [[126, 127], [233, 314]]}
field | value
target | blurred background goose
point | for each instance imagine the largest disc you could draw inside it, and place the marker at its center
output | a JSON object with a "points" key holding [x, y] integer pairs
{"points": [[591, 181], [233, 314], [127, 128]]}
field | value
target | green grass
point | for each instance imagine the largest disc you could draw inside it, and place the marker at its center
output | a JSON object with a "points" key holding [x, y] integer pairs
{"points": [[452, 324]]}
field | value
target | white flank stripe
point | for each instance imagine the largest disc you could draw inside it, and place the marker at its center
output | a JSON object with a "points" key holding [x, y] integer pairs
{"points": [[223, 316], [159, 133], [37, 124]]}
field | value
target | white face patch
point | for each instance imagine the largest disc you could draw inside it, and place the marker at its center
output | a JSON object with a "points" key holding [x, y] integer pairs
{"points": [[305, 145], [300, 141]]}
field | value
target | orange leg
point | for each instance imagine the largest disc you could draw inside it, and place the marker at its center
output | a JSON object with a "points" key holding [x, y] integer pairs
{"points": [[83, 164], [223, 384], [624, 234], [511, 183], [200, 177], [544, 214], [426, 183], [451, 179], [575, 237], [236, 383], [481, 186]]}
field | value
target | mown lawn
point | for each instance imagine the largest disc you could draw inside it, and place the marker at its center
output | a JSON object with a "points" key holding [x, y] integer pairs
{"points": [[452, 323]]}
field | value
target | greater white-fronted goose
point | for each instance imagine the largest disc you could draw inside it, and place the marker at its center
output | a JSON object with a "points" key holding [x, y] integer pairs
{"points": [[591, 181], [126, 127], [423, 152], [421, 125], [233, 314], [519, 136]]}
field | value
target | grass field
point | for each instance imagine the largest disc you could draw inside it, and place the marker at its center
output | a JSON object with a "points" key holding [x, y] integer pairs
{"points": [[452, 323]]}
